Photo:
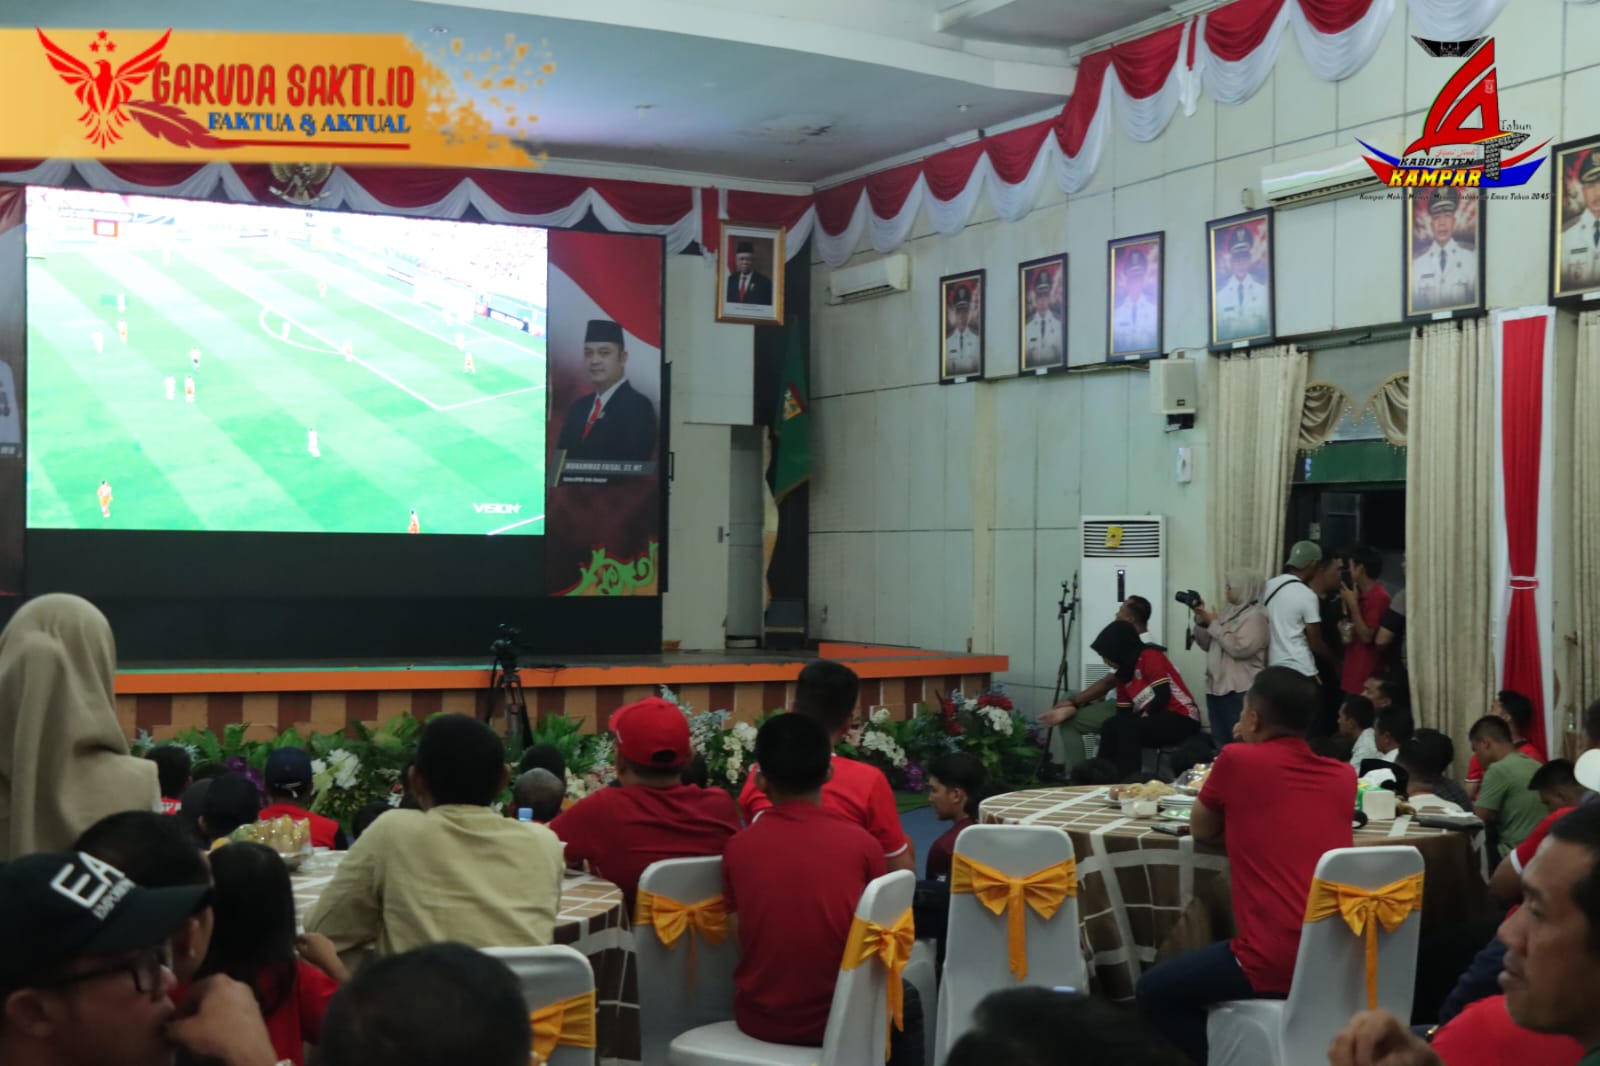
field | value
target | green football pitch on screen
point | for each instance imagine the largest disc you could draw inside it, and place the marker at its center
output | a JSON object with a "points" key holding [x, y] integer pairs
{"points": [[224, 382]]}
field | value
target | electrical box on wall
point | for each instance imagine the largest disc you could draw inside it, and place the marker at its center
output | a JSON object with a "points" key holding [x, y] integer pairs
{"points": [[1175, 386]]}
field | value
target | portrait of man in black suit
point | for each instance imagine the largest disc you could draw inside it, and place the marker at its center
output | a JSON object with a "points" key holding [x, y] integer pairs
{"points": [[614, 421], [746, 284]]}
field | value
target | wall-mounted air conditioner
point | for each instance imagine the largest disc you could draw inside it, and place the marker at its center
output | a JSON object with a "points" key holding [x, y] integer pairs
{"points": [[1123, 555], [863, 281], [1319, 176]]}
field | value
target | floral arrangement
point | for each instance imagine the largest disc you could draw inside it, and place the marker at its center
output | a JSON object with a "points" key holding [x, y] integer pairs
{"points": [[986, 726]]}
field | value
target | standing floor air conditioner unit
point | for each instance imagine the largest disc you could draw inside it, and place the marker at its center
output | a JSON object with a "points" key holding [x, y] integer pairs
{"points": [[1123, 555]]}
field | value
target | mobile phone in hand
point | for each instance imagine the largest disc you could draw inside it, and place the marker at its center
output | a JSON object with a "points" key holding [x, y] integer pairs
{"points": [[1176, 829]]}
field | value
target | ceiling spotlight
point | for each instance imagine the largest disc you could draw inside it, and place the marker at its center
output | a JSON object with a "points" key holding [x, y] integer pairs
{"points": [[963, 108], [438, 29]]}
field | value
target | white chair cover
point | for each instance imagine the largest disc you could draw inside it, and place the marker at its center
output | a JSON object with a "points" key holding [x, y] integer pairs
{"points": [[857, 1033], [922, 974], [1330, 975], [548, 975], [977, 958], [671, 999]]}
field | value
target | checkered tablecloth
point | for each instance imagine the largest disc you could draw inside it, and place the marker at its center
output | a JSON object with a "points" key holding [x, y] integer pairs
{"points": [[1135, 884], [592, 919]]}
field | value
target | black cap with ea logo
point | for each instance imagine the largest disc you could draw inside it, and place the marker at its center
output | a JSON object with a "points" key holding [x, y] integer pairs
{"points": [[59, 906]]}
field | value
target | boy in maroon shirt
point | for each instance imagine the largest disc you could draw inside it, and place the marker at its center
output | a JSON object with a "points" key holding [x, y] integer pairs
{"points": [[794, 878], [955, 787], [1272, 860], [654, 815]]}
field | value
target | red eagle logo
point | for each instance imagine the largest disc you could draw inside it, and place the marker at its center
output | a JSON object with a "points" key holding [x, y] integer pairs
{"points": [[101, 89]]}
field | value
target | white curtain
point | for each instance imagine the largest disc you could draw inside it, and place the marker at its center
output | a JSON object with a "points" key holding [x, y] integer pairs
{"points": [[1258, 400], [1453, 20], [1585, 677], [1449, 526]]}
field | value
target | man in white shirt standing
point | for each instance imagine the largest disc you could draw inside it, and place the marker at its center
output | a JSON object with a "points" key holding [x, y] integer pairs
{"points": [[1294, 612], [1242, 310], [1043, 335], [963, 348], [1444, 274], [1136, 324], [1580, 241]]}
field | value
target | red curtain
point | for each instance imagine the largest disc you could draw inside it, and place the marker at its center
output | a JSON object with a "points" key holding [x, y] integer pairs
{"points": [[1236, 30], [1521, 434]]}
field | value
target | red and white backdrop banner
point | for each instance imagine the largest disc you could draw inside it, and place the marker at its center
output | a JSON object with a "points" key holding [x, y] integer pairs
{"points": [[1524, 478], [1229, 53]]}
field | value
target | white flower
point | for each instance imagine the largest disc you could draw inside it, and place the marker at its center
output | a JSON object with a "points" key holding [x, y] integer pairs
{"points": [[735, 770], [880, 715], [395, 799], [746, 734], [321, 776], [345, 765], [730, 744]]}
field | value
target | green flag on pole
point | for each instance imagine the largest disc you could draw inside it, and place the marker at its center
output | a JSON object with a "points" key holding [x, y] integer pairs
{"points": [[791, 427]]}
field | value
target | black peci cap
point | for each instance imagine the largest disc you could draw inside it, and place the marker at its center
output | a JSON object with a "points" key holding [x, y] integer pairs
{"points": [[603, 331]]}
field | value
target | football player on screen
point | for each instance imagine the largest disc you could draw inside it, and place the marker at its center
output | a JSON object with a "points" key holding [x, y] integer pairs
{"points": [[312, 444], [188, 388], [104, 496], [322, 288], [467, 366], [413, 526], [194, 358], [122, 330]]}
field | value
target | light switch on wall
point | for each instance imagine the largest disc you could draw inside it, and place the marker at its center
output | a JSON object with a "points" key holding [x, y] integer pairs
{"points": [[1185, 467]]}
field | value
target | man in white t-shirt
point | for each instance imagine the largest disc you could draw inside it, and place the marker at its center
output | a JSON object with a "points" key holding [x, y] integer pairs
{"points": [[1294, 612]]}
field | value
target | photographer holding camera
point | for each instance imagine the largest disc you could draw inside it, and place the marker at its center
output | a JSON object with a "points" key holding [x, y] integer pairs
{"points": [[1235, 643]]}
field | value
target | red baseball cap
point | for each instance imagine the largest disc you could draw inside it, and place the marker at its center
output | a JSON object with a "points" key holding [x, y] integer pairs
{"points": [[652, 732]]}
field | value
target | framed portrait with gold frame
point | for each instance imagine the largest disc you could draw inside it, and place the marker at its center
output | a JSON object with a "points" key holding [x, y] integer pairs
{"points": [[961, 351], [1042, 315], [1575, 224], [1239, 251], [1135, 270], [1444, 235], [751, 265]]}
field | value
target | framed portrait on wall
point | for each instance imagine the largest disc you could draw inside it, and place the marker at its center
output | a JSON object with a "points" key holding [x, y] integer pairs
{"points": [[750, 261], [1575, 223], [961, 326], [1239, 251], [1042, 314], [1133, 302], [1444, 253]]}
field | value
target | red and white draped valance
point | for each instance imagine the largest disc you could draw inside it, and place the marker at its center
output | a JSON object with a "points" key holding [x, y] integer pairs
{"points": [[1229, 52]]}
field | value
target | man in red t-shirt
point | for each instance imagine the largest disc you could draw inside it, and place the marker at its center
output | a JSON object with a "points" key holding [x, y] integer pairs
{"points": [[653, 815], [1241, 806], [794, 879], [1365, 601], [1517, 710], [288, 780], [826, 693]]}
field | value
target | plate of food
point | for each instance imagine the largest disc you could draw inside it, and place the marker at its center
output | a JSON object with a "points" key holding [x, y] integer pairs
{"points": [[1192, 780], [1150, 790]]}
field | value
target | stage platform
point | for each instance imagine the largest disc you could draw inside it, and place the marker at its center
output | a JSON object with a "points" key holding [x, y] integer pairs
{"points": [[326, 697]]}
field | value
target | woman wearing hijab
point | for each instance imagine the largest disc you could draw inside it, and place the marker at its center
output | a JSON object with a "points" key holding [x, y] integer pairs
{"points": [[1235, 643], [64, 761], [1154, 707]]}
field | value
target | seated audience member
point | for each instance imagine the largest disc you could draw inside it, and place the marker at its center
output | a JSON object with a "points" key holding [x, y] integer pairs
{"points": [[1096, 771], [232, 800], [154, 851], [1504, 801], [288, 778], [1557, 785], [696, 772], [1085, 712], [1392, 727], [172, 772], [539, 792], [452, 870], [84, 980], [544, 757], [654, 815], [1485, 1035], [191, 805], [368, 814], [1516, 710], [1551, 976], [1560, 791], [441, 1005], [826, 693], [1442, 753], [955, 788], [1044, 1027], [794, 878], [64, 761], [1241, 806], [1425, 759], [1356, 716], [254, 943], [1154, 707]]}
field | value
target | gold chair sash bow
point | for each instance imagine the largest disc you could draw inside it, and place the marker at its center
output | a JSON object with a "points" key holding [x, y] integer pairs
{"points": [[1044, 890], [564, 1023], [892, 946], [671, 919], [1363, 909]]}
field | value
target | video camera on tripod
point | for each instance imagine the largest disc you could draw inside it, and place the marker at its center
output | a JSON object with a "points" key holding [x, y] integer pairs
{"points": [[505, 681]]}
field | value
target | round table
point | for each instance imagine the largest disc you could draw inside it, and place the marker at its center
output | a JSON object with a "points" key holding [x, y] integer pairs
{"points": [[1143, 893], [592, 918]]}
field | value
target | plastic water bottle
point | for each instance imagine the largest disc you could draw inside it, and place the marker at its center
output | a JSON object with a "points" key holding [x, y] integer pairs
{"points": [[524, 814]]}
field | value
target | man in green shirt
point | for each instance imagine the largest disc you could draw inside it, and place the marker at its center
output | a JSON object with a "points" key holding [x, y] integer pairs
{"points": [[1504, 801], [1552, 969]]}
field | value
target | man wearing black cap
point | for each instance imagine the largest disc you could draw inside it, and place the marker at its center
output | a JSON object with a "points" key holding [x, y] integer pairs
{"points": [[1580, 241], [747, 285], [288, 779], [84, 977], [1042, 338], [1241, 299], [963, 348], [1136, 325], [1444, 274], [615, 421]]}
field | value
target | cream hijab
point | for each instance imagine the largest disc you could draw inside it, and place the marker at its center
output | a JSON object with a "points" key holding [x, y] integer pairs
{"points": [[1247, 584], [64, 761]]}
